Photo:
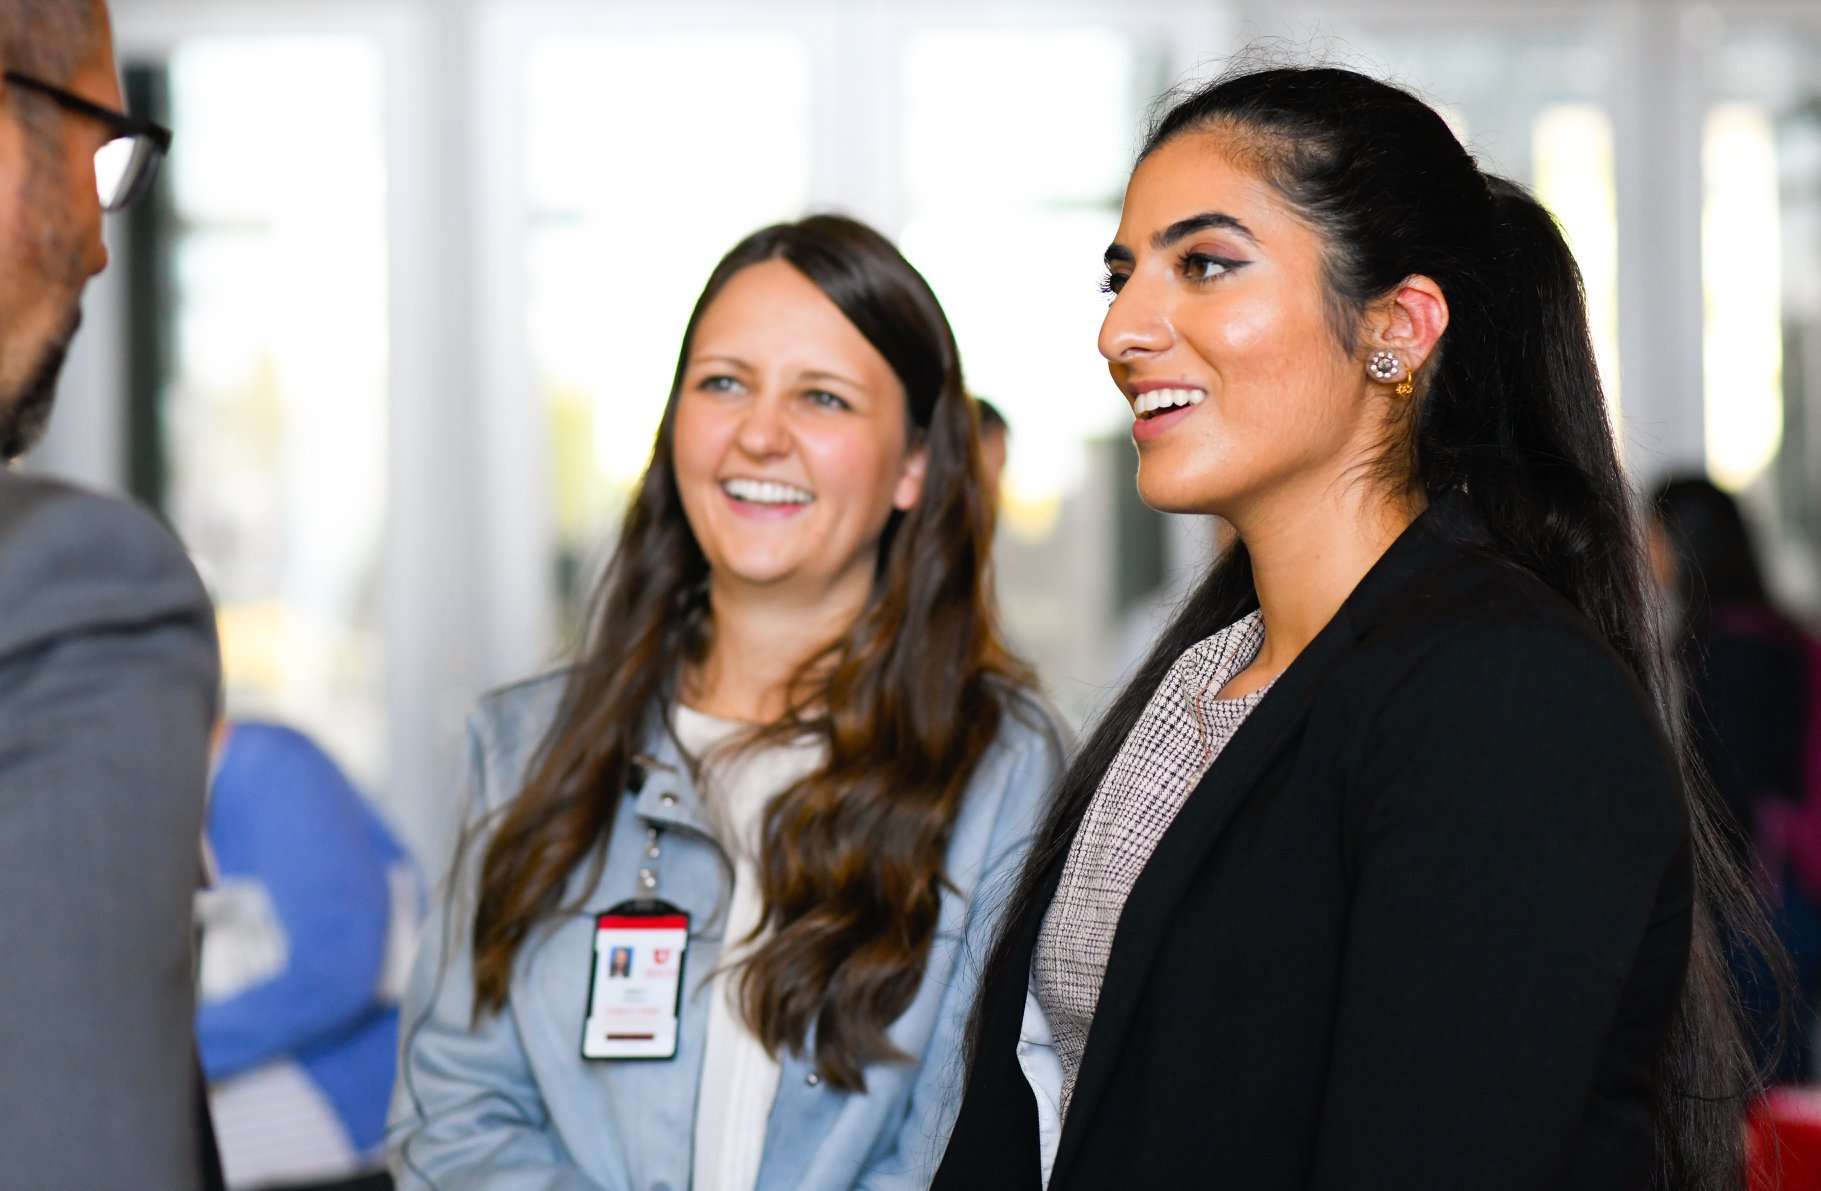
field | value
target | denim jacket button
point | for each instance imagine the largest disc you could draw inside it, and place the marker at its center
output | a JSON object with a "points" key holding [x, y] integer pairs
{"points": [[667, 798], [812, 1079]]}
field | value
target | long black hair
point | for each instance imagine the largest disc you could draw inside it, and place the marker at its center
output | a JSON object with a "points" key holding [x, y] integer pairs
{"points": [[1508, 413]]}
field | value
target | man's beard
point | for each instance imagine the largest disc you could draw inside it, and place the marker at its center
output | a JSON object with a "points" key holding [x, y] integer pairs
{"points": [[52, 261], [25, 414]]}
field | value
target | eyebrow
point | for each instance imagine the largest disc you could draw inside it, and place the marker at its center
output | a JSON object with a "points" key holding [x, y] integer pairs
{"points": [[736, 361], [835, 376], [1119, 254]]}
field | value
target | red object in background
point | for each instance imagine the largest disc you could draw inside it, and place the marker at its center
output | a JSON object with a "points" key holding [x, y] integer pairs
{"points": [[1783, 1141]]}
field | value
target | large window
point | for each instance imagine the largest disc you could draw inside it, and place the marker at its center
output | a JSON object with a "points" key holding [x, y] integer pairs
{"points": [[994, 151], [431, 264], [1009, 217], [276, 410], [1009, 139], [647, 155], [1761, 273]]}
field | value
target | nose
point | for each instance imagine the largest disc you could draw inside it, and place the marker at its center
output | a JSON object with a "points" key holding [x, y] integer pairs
{"points": [[1136, 324], [763, 433]]}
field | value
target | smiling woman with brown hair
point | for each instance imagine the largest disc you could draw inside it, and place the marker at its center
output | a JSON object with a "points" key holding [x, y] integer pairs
{"points": [[794, 742], [1383, 872]]}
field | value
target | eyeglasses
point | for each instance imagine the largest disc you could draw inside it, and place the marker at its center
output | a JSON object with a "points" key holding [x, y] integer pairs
{"points": [[125, 165]]}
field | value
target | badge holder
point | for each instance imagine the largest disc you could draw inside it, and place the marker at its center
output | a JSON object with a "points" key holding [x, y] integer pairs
{"points": [[635, 994]]}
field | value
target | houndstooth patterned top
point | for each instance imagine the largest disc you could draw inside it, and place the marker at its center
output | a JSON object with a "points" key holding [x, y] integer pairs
{"points": [[1182, 730]]}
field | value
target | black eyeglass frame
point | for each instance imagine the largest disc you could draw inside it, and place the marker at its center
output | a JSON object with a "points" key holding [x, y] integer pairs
{"points": [[124, 125]]}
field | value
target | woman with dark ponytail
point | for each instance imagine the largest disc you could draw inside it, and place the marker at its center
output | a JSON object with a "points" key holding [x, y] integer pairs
{"points": [[1387, 870]]}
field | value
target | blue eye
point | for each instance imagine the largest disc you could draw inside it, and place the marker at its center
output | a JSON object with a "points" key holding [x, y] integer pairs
{"points": [[826, 400], [718, 384]]}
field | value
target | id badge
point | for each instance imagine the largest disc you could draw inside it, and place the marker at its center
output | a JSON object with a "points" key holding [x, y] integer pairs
{"points": [[636, 989]]}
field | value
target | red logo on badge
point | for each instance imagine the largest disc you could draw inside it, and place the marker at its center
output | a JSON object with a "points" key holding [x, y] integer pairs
{"points": [[660, 955]]}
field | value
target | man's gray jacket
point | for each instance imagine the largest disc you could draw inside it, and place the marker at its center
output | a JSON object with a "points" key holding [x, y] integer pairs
{"points": [[108, 688]]}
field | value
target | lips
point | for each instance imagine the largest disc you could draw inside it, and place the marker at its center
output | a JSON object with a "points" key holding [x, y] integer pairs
{"points": [[1156, 401]]}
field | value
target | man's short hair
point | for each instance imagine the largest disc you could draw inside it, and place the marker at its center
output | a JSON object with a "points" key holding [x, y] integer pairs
{"points": [[48, 39]]}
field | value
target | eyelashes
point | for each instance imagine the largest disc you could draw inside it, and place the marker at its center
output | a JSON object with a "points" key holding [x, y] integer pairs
{"points": [[1204, 266], [1196, 268], [820, 398], [824, 399]]}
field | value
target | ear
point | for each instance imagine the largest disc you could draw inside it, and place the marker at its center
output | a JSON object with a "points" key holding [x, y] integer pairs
{"points": [[1409, 320], [910, 480]]}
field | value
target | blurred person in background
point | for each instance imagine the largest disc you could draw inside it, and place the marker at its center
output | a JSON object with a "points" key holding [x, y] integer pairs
{"points": [[307, 933], [1380, 873], [108, 679], [794, 743], [1751, 675], [995, 438]]}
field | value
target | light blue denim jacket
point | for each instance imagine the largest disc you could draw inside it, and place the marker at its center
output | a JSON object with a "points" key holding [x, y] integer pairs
{"points": [[510, 1104]]}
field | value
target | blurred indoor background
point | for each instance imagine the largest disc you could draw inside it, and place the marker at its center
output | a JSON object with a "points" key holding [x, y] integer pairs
{"points": [[390, 344]]}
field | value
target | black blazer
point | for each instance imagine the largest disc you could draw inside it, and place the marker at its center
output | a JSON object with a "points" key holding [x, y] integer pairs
{"points": [[1423, 925]]}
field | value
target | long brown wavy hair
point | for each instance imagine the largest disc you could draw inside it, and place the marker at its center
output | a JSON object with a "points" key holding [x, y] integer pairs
{"points": [[850, 865]]}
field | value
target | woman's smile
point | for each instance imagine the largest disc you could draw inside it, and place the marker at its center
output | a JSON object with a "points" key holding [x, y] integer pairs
{"points": [[1159, 406], [765, 500]]}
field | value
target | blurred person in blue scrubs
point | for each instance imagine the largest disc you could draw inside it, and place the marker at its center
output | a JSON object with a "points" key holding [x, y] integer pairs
{"points": [[307, 934]]}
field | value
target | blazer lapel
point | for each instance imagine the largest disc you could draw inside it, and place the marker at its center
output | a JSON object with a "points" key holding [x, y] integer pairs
{"points": [[1145, 921]]}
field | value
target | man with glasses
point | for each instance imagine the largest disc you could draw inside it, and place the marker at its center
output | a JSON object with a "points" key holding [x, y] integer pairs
{"points": [[108, 681]]}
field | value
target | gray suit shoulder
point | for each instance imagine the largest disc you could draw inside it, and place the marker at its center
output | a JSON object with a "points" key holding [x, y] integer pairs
{"points": [[108, 684], [74, 560], [31, 500]]}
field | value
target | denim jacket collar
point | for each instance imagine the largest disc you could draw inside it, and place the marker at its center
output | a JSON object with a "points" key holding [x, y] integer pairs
{"points": [[668, 796]]}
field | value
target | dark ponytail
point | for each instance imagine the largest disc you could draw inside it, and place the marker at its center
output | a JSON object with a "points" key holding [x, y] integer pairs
{"points": [[1508, 411], [1559, 505]]}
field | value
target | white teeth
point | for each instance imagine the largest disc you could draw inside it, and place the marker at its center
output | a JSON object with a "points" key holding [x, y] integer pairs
{"points": [[766, 492], [1158, 399]]}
